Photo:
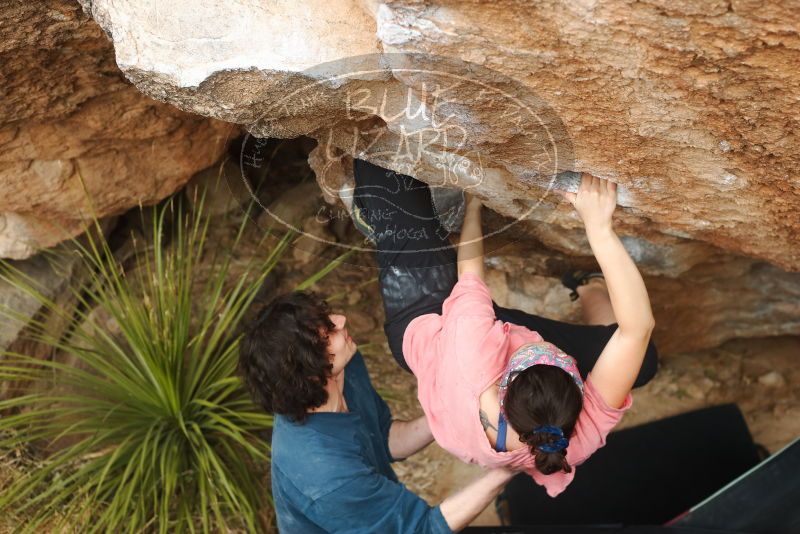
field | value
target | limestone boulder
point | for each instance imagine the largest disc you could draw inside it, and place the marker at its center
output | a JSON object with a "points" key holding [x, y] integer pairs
{"points": [[53, 275], [48, 273], [76, 138], [219, 189], [690, 106]]}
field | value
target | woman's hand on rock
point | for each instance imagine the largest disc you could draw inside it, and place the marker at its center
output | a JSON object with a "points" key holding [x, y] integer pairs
{"points": [[594, 201], [471, 202]]}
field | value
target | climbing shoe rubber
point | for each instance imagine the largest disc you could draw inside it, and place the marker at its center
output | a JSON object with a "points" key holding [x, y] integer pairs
{"points": [[573, 279]]}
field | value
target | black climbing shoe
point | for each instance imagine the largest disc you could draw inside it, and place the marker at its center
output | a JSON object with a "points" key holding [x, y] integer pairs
{"points": [[449, 206], [574, 279]]}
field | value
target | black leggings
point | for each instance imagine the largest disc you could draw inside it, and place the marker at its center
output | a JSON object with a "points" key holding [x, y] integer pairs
{"points": [[418, 269]]}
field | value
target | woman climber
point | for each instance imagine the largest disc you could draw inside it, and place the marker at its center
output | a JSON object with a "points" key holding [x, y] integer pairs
{"points": [[502, 387]]}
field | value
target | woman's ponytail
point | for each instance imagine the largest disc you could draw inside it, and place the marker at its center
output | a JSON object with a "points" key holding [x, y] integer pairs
{"points": [[547, 462], [542, 404]]}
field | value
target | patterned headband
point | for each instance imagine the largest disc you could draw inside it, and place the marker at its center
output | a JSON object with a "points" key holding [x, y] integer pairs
{"points": [[542, 353]]}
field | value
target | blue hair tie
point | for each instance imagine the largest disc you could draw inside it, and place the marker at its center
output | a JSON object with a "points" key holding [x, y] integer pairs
{"points": [[559, 445]]}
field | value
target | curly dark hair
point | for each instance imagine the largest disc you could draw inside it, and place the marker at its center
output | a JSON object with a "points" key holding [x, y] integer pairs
{"points": [[538, 396], [284, 359]]}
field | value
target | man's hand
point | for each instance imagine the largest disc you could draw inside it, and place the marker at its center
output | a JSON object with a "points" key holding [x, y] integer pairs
{"points": [[595, 201]]}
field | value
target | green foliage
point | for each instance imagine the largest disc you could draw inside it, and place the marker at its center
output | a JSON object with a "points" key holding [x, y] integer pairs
{"points": [[149, 429]]}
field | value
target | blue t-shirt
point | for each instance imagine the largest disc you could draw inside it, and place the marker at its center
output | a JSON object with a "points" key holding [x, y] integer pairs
{"points": [[333, 473]]}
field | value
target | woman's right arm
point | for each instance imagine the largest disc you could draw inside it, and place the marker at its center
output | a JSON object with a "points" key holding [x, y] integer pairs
{"points": [[470, 246], [618, 366]]}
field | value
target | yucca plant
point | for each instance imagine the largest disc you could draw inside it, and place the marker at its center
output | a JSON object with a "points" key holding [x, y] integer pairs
{"points": [[147, 428]]}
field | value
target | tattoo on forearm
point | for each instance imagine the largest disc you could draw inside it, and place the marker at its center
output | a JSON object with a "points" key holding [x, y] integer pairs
{"points": [[485, 421]]}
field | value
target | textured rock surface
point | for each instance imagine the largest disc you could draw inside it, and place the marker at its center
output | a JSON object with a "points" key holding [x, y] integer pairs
{"points": [[50, 272], [691, 106], [66, 113], [711, 303]]}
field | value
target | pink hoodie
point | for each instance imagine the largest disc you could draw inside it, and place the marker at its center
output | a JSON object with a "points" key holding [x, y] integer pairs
{"points": [[458, 355]]}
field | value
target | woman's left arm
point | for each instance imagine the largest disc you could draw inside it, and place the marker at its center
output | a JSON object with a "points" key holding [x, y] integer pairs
{"points": [[618, 365]]}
